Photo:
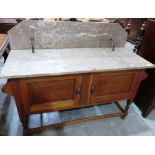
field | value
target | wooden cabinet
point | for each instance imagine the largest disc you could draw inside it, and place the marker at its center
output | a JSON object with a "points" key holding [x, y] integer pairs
{"points": [[51, 93], [44, 94], [63, 92]]}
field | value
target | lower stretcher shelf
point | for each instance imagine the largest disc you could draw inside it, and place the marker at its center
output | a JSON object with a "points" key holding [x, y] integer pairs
{"points": [[37, 122]]}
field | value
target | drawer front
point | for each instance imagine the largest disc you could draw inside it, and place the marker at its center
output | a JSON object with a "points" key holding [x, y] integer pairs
{"points": [[111, 86], [52, 93]]}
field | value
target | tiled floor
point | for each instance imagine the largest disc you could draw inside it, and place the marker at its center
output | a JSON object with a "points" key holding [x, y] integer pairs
{"points": [[134, 124]]}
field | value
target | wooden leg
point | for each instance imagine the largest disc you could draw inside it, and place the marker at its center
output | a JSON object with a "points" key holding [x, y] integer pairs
{"points": [[25, 126], [126, 109], [26, 132]]}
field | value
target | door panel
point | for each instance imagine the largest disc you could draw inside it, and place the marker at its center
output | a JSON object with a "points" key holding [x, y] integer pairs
{"points": [[111, 86], [56, 90], [50, 93]]}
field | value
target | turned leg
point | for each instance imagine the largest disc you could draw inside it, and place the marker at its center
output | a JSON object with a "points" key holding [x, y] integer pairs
{"points": [[26, 132], [126, 109], [25, 126]]}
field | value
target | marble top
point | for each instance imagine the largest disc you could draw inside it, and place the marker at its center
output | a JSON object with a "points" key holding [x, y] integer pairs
{"points": [[46, 62]]}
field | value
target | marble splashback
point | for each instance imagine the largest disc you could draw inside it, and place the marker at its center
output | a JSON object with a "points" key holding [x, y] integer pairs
{"points": [[48, 35]]}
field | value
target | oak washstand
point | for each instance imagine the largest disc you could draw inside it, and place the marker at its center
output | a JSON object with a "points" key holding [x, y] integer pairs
{"points": [[75, 70]]}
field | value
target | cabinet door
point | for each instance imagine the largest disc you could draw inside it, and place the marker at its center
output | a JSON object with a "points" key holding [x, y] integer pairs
{"points": [[50, 93], [114, 86]]}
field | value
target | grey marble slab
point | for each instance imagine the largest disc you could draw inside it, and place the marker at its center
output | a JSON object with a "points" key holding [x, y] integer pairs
{"points": [[49, 35], [75, 114], [51, 118], [34, 121], [46, 62]]}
